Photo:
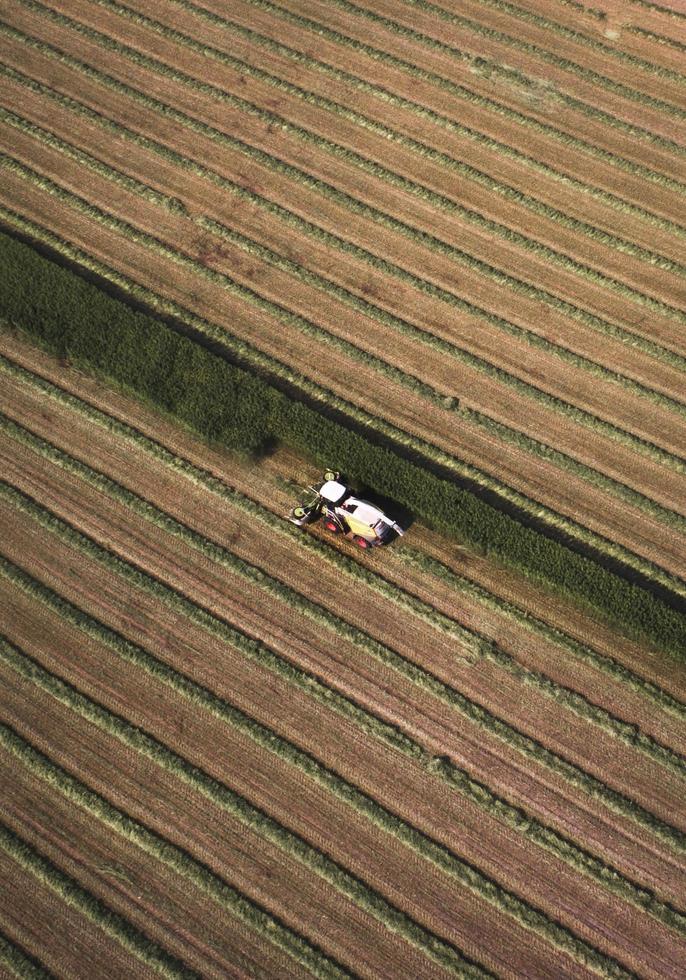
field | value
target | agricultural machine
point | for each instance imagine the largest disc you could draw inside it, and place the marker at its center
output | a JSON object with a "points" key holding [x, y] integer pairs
{"points": [[345, 514]]}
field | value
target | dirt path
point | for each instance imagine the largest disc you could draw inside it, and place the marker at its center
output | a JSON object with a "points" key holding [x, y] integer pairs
{"points": [[169, 908], [461, 826]]}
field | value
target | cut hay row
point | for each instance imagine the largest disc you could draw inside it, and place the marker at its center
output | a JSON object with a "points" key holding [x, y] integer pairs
{"points": [[227, 141], [140, 954], [116, 845], [18, 963], [242, 508], [500, 44], [469, 645], [558, 21], [438, 31], [476, 115], [239, 844], [612, 797], [383, 826], [248, 70], [318, 108], [599, 542], [317, 733]]}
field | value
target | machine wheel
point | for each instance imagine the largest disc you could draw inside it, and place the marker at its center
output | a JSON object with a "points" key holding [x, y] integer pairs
{"points": [[299, 512], [334, 528], [362, 543], [330, 475]]}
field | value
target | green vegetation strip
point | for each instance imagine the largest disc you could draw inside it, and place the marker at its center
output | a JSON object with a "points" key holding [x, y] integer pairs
{"points": [[426, 151], [295, 846], [482, 266], [341, 562], [392, 734], [440, 856], [112, 924], [243, 411], [172, 857], [20, 964], [473, 645], [533, 508]]}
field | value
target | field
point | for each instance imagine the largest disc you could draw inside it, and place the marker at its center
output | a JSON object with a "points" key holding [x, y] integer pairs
{"points": [[228, 748]]}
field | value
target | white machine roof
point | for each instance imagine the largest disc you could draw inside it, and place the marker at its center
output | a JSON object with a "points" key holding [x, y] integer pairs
{"points": [[333, 491], [363, 511]]}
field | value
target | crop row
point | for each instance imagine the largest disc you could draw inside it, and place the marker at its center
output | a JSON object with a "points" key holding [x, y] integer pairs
{"points": [[315, 860], [475, 647], [177, 860], [460, 92], [592, 320], [571, 528], [389, 134], [427, 681], [343, 564], [225, 403], [73, 894], [341, 151]]}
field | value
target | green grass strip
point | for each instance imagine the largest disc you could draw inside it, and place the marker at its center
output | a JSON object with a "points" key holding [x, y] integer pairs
{"points": [[342, 563], [241, 410], [535, 509], [475, 646], [179, 861], [222, 796], [112, 924], [18, 963], [530, 747], [483, 267], [461, 871]]}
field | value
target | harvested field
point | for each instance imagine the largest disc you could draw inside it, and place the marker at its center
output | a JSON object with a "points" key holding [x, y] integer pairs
{"points": [[232, 748]]}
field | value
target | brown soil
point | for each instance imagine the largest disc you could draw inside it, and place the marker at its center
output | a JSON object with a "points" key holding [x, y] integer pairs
{"points": [[166, 907]]}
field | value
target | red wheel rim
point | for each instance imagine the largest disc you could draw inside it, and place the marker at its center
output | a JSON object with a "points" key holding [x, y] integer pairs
{"points": [[362, 543], [330, 526]]}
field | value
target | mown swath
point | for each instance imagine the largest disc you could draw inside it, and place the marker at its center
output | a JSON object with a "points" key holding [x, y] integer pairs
{"points": [[18, 963]]}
